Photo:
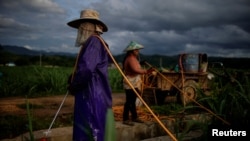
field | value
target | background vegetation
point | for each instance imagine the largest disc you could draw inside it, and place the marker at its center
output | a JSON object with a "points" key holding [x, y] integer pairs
{"points": [[229, 92], [35, 81]]}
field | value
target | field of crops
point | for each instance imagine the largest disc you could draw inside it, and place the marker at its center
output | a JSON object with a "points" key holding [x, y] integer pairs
{"points": [[34, 81], [229, 93]]}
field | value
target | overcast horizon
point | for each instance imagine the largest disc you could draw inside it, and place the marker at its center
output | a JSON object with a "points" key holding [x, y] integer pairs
{"points": [[165, 27]]}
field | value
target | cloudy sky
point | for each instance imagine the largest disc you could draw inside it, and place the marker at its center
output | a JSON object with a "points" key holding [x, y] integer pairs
{"points": [[166, 27]]}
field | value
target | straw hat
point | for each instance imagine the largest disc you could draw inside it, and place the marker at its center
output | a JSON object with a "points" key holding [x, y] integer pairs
{"points": [[133, 46], [88, 15]]}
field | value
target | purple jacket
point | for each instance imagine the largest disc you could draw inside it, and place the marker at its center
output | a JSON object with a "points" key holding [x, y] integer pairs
{"points": [[94, 95]]}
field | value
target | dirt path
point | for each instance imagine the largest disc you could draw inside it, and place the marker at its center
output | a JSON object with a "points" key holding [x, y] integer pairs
{"points": [[45, 106]]}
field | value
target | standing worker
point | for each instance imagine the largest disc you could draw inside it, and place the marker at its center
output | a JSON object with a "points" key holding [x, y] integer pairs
{"points": [[89, 83], [133, 72]]}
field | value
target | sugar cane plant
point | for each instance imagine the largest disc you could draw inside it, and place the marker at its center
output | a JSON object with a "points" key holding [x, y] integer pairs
{"points": [[230, 97], [30, 125]]}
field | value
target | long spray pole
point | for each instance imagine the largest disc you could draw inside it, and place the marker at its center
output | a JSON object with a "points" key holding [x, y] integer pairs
{"points": [[138, 95], [188, 97], [67, 93], [51, 124]]}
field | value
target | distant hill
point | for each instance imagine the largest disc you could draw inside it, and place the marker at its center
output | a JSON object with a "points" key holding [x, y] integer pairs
{"points": [[154, 60], [19, 50]]}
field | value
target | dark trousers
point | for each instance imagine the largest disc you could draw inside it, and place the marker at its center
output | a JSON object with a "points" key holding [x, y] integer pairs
{"points": [[129, 105]]}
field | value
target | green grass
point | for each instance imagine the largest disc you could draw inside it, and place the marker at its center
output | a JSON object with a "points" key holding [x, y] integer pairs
{"points": [[36, 81], [115, 80]]}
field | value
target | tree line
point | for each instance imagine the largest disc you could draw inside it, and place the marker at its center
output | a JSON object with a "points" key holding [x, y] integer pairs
{"points": [[68, 61]]}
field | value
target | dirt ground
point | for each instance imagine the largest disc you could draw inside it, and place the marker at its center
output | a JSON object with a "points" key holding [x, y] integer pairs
{"points": [[46, 106]]}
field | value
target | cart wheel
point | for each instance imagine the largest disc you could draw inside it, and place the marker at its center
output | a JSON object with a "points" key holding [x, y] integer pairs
{"points": [[189, 90]]}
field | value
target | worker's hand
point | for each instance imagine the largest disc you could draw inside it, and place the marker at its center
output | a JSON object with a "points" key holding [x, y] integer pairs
{"points": [[150, 70], [71, 89], [143, 62], [74, 88], [69, 79]]}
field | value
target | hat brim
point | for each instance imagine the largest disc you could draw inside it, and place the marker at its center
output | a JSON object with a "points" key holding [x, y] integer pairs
{"points": [[78, 22], [126, 50]]}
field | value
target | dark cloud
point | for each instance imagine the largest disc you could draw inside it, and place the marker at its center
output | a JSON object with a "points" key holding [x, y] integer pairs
{"points": [[172, 27], [168, 27]]}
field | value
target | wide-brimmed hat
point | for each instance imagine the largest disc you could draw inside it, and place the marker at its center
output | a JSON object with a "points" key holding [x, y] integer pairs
{"points": [[133, 46], [88, 15]]}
